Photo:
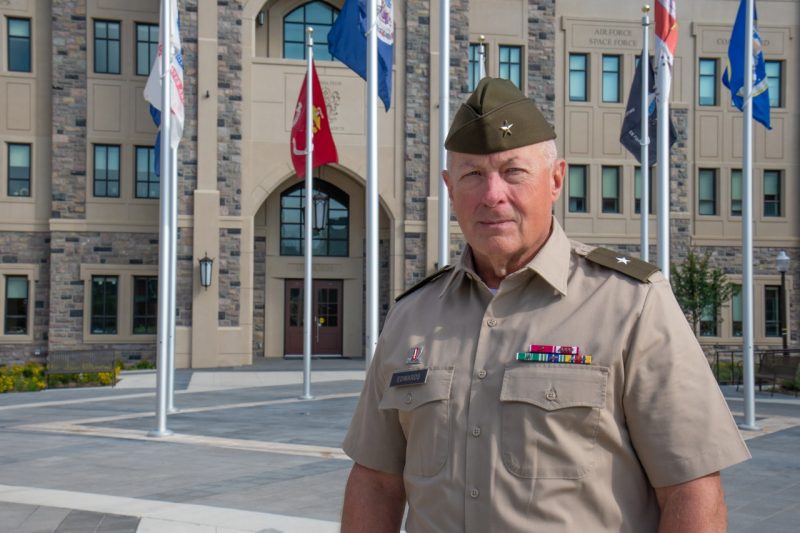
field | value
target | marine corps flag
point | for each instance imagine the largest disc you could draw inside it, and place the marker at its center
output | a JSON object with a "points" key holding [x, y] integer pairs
{"points": [[323, 148]]}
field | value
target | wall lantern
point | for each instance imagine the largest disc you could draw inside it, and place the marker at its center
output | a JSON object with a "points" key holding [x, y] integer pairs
{"points": [[321, 204], [206, 267]]}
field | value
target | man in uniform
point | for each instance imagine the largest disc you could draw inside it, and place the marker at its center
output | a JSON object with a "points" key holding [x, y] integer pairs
{"points": [[540, 384]]}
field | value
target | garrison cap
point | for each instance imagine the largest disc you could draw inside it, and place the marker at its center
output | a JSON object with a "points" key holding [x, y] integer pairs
{"points": [[495, 118]]}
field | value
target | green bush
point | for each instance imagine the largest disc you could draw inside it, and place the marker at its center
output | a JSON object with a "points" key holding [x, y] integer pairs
{"points": [[19, 378]]}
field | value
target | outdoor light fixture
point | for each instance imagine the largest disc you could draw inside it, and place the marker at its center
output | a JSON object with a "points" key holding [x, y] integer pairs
{"points": [[206, 267], [321, 204], [782, 263]]}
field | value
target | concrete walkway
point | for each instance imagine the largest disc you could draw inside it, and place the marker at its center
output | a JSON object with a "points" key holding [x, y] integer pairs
{"points": [[247, 454]]}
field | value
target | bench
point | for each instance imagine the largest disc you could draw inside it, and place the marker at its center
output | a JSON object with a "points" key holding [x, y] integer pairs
{"points": [[81, 362], [775, 368]]}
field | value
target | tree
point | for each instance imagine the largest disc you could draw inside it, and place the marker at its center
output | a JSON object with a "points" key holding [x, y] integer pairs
{"points": [[699, 288]]}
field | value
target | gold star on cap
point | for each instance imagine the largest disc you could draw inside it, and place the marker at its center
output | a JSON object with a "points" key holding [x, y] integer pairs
{"points": [[506, 128]]}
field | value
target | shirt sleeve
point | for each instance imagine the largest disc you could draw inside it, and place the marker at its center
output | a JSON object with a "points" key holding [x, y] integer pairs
{"points": [[375, 438], [678, 420]]}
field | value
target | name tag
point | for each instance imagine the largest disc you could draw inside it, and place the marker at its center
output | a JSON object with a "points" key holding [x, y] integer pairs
{"points": [[410, 377]]}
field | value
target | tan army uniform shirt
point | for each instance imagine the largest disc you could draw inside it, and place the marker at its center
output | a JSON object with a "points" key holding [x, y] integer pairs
{"points": [[487, 443]]}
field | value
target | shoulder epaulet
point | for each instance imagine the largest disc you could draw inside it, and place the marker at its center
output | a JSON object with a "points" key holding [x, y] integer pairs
{"points": [[630, 266], [422, 283]]}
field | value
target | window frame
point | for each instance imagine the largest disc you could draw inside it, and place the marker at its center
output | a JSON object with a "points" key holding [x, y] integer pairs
{"points": [[584, 208], [28, 179], [767, 321], [637, 190], [31, 273], [28, 40], [105, 179], [150, 315], [733, 192], [151, 46], [616, 207], [778, 201], [712, 77], [775, 98], [509, 64], [616, 75], [715, 192], [152, 179], [106, 40], [321, 31], [580, 73], [107, 315], [474, 64], [297, 192]]}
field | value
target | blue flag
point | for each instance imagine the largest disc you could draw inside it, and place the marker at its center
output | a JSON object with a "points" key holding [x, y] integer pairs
{"points": [[347, 42], [733, 77]]}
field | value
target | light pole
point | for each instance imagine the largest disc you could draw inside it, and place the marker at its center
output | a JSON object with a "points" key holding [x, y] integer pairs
{"points": [[782, 262]]}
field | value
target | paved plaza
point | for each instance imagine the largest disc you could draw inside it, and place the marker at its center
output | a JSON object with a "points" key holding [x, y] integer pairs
{"points": [[248, 455]]}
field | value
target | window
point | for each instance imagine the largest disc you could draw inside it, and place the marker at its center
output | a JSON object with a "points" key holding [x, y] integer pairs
{"points": [[106, 171], [104, 305], [707, 87], [332, 239], [578, 88], [577, 189], [511, 65], [146, 48], [19, 170], [775, 82], [772, 311], [147, 183], [637, 191], [16, 312], [106, 47], [318, 15], [611, 72], [610, 192], [736, 192], [19, 45], [736, 311], [707, 191], [475, 64], [145, 305], [772, 193], [708, 322]]}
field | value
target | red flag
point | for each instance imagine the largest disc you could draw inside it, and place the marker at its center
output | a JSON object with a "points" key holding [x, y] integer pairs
{"points": [[666, 37], [324, 148]]}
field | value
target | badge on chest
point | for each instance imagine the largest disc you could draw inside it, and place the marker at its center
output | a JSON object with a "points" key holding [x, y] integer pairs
{"points": [[409, 377]]}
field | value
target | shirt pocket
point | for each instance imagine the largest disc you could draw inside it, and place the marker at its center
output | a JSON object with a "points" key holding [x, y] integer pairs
{"points": [[424, 413], [550, 417]]}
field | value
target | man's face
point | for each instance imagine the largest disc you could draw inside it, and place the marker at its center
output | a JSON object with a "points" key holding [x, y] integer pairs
{"points": [[503, 201]]}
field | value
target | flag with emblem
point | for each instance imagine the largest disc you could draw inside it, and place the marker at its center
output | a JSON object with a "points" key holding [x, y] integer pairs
{"points": [[324, 149]]}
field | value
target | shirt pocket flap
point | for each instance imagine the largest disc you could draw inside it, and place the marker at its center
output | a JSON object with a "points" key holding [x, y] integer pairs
{"points": [[436, 388], [552, 387]]}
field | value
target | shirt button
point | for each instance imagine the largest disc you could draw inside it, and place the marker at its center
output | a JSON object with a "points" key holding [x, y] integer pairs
{"points": [[481, 373], [474, 493], [409, 397], [491, 322], [550, 395], [476, 431]]}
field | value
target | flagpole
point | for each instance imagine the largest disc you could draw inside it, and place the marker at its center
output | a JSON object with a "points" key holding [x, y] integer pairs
{"points": [[747, 227], [444, 123], [173, 256], [482, 57], [644, 201], [662, 166], [372, 182], [308, 221], [164, 230]]}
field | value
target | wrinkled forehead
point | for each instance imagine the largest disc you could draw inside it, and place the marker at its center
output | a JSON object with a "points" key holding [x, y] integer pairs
{"points": [[532, 154]]}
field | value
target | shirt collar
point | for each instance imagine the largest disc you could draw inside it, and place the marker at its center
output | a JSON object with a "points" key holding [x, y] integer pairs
{"points": [[551, 263]]}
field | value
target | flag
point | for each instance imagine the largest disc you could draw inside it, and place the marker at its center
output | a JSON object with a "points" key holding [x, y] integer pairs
{"points": [[733, 76], [666, 39], [152, 90], [324, 149], [347, 42], [630, 137]]}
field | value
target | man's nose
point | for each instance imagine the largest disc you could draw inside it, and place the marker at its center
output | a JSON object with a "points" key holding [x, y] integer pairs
{"points": [[494, 189]]}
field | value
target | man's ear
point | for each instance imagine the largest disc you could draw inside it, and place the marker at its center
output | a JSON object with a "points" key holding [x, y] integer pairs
{"points": [[446, 178], [557, 178]]}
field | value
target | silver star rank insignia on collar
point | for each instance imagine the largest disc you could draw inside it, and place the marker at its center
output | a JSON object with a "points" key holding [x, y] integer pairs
{"points": [[623, 260], [506, 128]]}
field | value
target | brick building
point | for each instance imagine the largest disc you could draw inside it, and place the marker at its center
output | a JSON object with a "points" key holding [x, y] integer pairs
{"points": [[79, 201]]}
